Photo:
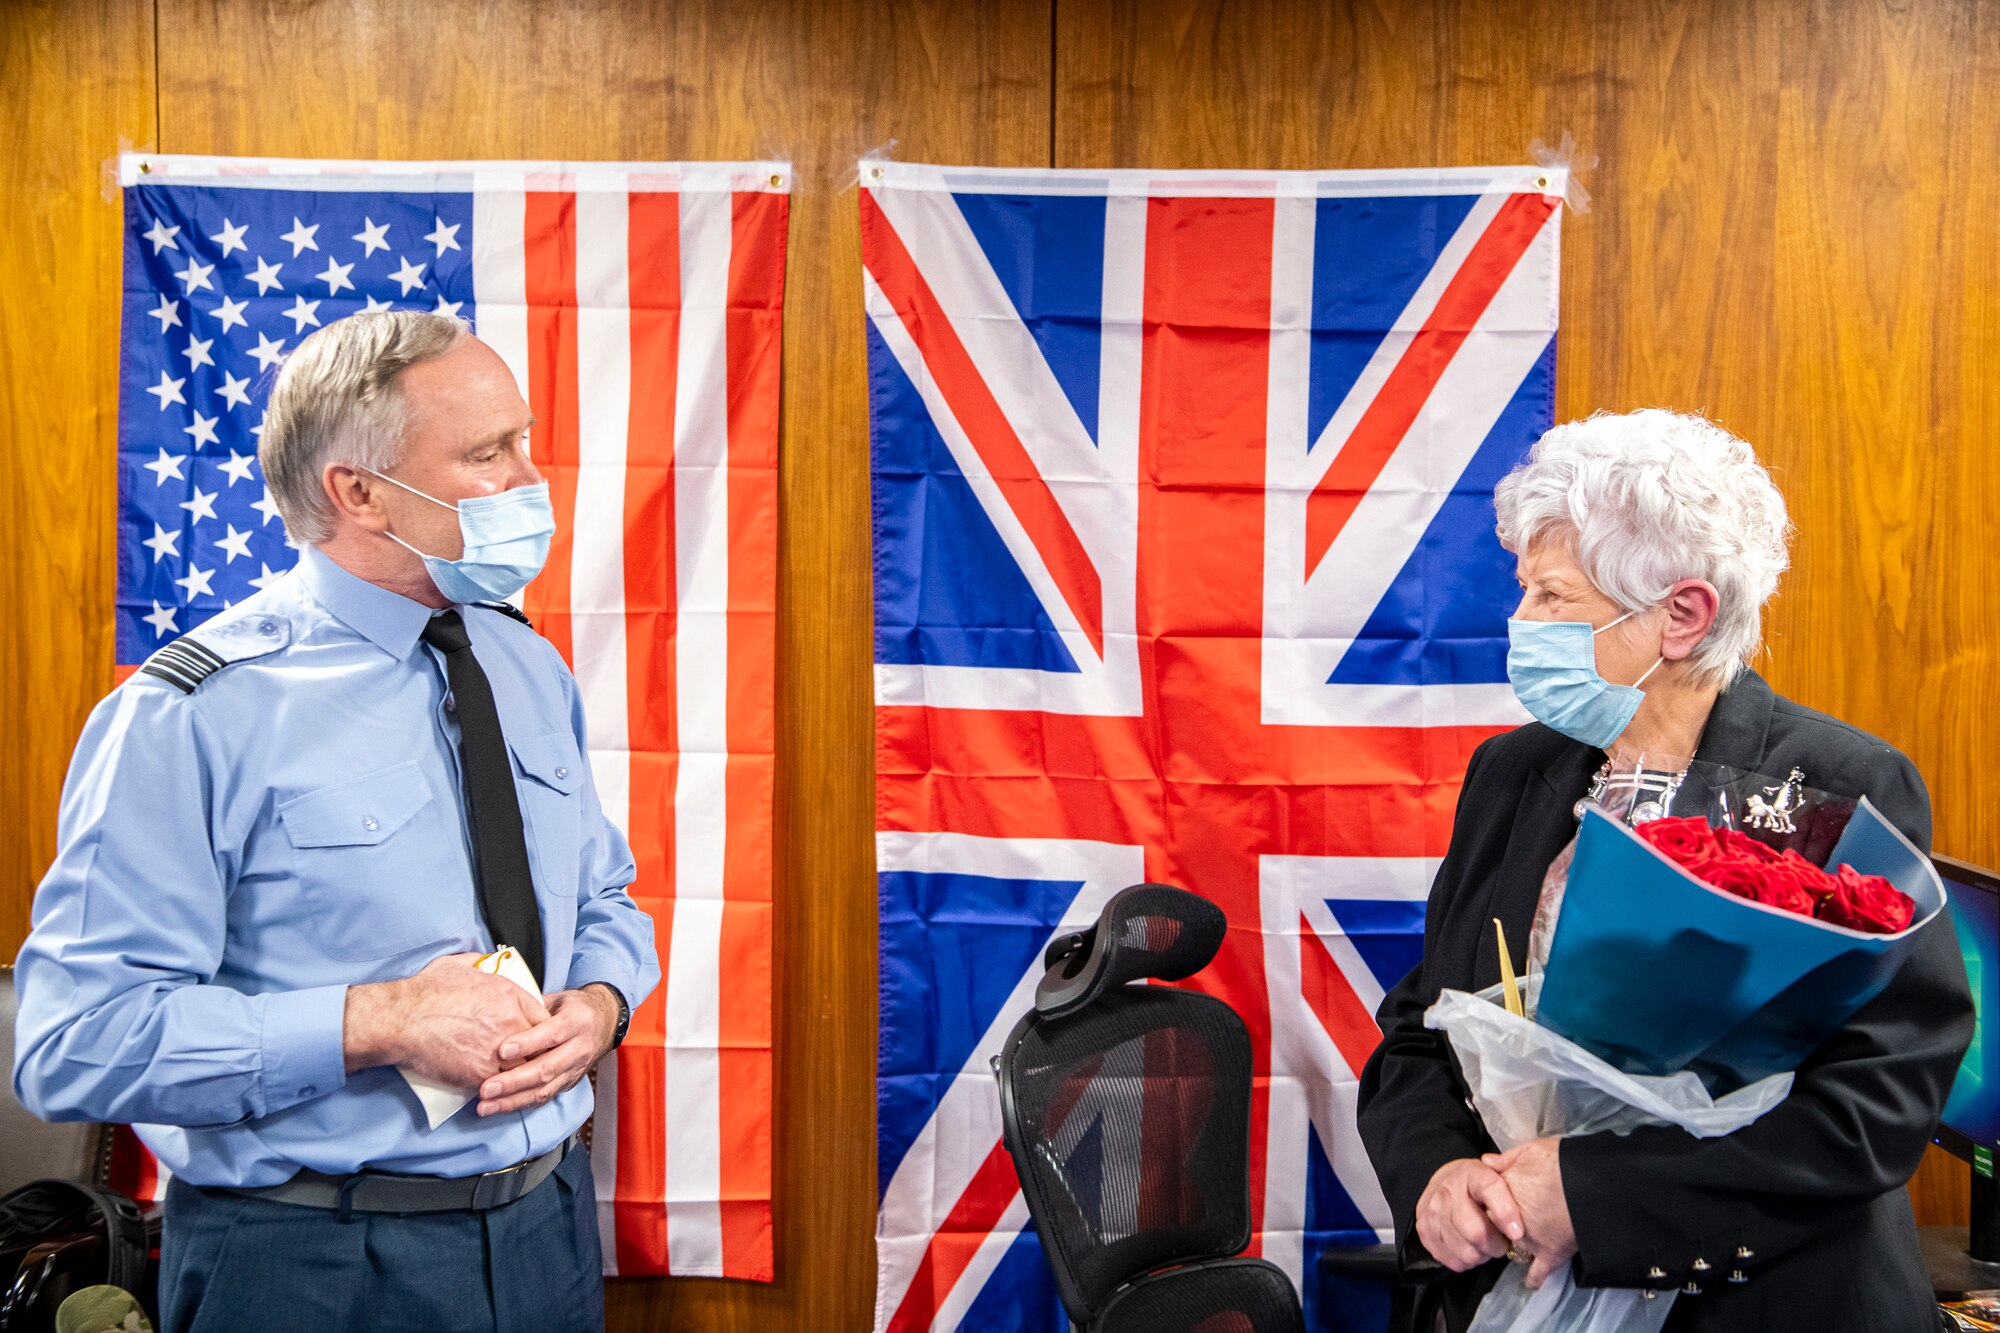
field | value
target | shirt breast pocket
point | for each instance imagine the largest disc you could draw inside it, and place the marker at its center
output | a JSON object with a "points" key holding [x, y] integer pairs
{"points": [[551, 769], [381, 869]]}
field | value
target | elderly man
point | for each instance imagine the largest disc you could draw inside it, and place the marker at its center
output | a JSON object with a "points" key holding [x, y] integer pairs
{"points": [[285, 843]]}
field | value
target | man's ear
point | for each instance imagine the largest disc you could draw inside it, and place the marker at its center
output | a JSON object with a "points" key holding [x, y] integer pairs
{"points": [[355, 496], [1691, 606]]}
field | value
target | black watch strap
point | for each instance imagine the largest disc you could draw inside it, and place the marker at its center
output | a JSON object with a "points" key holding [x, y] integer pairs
{"points": [[624, 1013]]}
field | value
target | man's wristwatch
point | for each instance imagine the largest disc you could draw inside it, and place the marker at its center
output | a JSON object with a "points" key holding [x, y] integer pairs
{"points": [[624, 1012]]}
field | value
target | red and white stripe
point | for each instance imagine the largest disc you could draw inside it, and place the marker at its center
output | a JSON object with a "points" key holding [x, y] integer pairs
{"points": [[640, 307]]}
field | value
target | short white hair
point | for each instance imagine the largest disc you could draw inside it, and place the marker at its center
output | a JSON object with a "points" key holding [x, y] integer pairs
{"points": [[337, 401], [1648, 498]]}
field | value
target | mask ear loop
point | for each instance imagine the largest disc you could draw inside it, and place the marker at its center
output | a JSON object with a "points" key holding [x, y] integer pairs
{"points": [[1658, 663], [444, 504], [1594, 633]]}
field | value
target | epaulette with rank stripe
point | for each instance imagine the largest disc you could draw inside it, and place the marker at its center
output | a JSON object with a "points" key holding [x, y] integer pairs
{"points": [[183, 664], [508, 609], [188, 661]]}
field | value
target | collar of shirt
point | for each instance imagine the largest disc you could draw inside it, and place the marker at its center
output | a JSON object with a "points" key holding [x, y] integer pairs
{"points": [[389, 620]]}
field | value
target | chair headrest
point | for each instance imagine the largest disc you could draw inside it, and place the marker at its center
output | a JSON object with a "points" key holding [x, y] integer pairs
{"points": [[1147, 931]]}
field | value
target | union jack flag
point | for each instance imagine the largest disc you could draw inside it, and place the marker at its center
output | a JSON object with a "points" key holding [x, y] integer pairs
{"points": [[1184, 571]]}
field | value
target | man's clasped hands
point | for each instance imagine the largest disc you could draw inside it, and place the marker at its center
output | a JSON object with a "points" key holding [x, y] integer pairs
{"points": [[467, 1028]]}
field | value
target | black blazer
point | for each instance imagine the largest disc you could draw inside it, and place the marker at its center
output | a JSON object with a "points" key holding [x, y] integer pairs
{"points": [[1813, 1190]]}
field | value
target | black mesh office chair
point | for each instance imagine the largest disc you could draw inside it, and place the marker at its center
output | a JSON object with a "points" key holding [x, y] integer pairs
{"points": [[1126, 1109]]}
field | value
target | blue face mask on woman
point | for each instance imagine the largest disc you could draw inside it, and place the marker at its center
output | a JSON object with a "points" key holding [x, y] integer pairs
{"points": [[506, 542], [1552, 665]]}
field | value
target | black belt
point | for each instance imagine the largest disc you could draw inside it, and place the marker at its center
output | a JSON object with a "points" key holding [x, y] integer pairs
{"points": [[389, 1192]]}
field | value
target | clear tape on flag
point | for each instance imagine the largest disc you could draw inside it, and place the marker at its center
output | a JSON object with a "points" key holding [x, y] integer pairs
{"points": [[1570, 161], [872, 165], [110, 172]]}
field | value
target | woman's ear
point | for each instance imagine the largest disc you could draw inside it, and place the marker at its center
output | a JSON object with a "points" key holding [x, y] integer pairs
{"points": [[1691, 606], [354, 496]]}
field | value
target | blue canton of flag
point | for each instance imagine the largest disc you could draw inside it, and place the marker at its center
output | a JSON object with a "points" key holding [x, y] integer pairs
{"points": [[220, 285]]}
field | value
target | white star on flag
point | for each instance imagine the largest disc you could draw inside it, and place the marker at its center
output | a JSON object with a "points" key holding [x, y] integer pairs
{"points": [[267, 578], [265, 507], [335, 276], [237, 468], [268, 353], [162, 236], [411, 276], [169, 314], [301, 236], [373, 236], [230, 238], [443, 237], [162, 619], [445, 307], [375, 307], [163, 544], [302, 314], [265, 275], [195, 276], [231, 312], [168, 390], [166, 465], [203, 431], [234, 544], [232, 390], [197, 353], [196, 582], [202, 506]]}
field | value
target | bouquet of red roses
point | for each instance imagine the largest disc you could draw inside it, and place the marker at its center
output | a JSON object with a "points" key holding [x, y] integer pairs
{"points": [[1727, 926], [1737, 863]]}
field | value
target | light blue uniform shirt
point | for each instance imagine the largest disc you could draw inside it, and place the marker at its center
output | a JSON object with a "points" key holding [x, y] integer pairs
{"points": [[230, 860]]}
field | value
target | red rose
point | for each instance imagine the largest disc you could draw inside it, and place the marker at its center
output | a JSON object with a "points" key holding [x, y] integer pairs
{"points": [[1742, 844], [1781, 890], [1685, 841], [1867, 902], [1771, 883], [1738, 877], [1810, 877]]}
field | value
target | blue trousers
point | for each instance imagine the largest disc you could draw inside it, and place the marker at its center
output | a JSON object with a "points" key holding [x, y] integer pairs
{"points": [[230, 1264]]}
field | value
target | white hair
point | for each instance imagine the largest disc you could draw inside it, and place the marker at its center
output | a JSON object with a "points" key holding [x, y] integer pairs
{"points": [[1648, 498], [337, 401]]}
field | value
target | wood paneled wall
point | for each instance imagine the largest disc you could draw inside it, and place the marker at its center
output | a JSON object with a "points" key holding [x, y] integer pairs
{"points": [[1791, 229]]}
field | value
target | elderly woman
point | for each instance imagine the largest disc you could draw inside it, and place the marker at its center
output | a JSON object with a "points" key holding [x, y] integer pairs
{"points": [[1647, 545]]}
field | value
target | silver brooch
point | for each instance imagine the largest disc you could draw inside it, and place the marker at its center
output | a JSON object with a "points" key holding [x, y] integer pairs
{"points": [[1772, 809]]}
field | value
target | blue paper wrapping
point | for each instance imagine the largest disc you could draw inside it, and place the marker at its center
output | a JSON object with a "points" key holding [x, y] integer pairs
{"points": [[1656, 971]]}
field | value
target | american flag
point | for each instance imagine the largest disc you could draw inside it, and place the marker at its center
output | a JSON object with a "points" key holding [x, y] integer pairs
{"points": [[639, 306], [1184, 571]]}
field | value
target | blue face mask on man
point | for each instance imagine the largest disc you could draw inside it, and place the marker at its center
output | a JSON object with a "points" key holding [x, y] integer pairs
{"points": [[506, 542], [1552, 665]]}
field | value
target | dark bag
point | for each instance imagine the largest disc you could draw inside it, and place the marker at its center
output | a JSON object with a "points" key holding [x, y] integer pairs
{"points": [[57, 1236]]}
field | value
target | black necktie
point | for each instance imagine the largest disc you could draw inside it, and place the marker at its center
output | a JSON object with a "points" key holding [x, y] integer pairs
{"points": [[499, 845]]}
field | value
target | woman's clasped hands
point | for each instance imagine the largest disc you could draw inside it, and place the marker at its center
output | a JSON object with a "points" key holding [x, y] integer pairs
{"points": [[1476, 1210]]}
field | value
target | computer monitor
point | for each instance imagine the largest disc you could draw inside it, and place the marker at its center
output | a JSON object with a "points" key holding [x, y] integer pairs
{"points": [[1970, 1126]]}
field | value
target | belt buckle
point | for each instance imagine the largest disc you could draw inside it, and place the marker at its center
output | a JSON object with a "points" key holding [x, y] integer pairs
{"points": [[482, 1199]]}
